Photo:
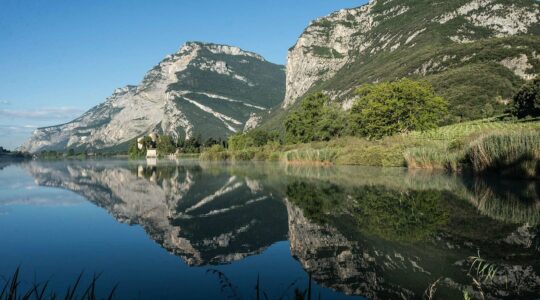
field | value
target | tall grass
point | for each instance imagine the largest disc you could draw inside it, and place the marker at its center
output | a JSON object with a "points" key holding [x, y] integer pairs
{"points": [[514, 154], [324, 156], [230, 291], [12, 290], [433, 158], [509, 147], [218, 153]]}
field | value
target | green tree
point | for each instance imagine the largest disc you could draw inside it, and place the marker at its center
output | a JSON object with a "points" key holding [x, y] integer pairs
{"points": [[331, 124], [165, 145], [395, 107], [252, 138], [134, 151], [527, 100], [316, 119], [192, 145], [240, 141]]}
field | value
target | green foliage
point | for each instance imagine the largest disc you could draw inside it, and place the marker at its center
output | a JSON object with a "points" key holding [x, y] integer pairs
{"points": [[240, 141], [395, 107], [191, 145], [315, 120], [527, 100], [253, 138], [513, 154], [508, 147], [6, 154], [215, 152], [311, 155], [267, 152], [134, 152], [468, 75], [212, 141], [326, 52], [165, 145]]}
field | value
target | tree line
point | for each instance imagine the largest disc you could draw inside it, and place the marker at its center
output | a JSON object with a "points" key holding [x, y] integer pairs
{"points": [[379, 110], [166, 145]]}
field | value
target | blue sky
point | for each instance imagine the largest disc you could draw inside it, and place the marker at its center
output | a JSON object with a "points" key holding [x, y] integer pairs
{"points": [[60, 58]]}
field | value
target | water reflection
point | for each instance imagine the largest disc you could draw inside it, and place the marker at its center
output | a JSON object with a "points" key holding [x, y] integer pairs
{"points": [[203, 217], [380, 233]]}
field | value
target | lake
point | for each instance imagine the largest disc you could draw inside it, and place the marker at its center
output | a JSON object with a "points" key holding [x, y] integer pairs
{"points": [[200, 230]]}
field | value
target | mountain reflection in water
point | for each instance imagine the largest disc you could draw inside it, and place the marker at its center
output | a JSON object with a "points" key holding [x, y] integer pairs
{"points": [[378, 233]]}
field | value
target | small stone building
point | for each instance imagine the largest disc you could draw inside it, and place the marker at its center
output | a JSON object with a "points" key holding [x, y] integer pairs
{"points": [[151, 153]]}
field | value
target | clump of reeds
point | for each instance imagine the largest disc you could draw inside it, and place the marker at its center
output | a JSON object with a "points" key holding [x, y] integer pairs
{"points": [[12, 290], [513, 154], [433, 158]]}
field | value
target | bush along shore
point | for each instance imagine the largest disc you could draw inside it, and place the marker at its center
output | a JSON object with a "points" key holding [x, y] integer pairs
{"points": [[414, 136]]}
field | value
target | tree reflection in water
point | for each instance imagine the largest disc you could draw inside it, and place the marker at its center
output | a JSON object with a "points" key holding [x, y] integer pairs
{"points": [[380, 233]]}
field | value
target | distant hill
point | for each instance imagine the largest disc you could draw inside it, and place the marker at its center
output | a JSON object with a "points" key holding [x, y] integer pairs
{"points": [[476, 53], [204, 90]]}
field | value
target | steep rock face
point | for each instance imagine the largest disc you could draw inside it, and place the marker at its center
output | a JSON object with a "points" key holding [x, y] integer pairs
{"points": [[203, 89], [322, 50], [463, 47]]}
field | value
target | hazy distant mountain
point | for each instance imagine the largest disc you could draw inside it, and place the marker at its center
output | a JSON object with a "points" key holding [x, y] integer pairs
{"points": [[204, 89]]}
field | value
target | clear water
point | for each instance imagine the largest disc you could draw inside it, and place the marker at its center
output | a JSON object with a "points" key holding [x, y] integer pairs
{"points": [[196, 230]]}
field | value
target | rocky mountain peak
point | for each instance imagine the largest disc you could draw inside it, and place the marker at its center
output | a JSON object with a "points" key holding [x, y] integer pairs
{"points": [[387, 39], [204, 89]]}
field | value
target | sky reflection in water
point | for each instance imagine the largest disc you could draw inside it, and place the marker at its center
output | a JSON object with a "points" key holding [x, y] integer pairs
{"points": [[159, 231]]}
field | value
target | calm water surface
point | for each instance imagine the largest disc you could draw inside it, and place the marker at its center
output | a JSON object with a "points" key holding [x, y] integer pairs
{"points": [[194, 230]]}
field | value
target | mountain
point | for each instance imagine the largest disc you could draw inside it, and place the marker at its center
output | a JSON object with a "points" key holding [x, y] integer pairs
{"points": [[204, 89], [476, 53]]}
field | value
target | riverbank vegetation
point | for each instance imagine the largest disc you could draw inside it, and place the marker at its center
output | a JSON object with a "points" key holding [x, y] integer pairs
{"points": [[319, 132], [166, 145], [13, 288], [12, 155]]}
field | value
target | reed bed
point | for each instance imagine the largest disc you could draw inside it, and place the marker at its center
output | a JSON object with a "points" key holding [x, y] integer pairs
{"points": [[13, 290], [509, 147], [516, 154]]}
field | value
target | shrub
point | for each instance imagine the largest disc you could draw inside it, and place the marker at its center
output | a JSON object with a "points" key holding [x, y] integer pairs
{"points": [[527, 100], [165, 145], [433, 158], [395, 107], [191, 145], [240, 141], [215, 152], [246, 154], [317, 119], [134, 151], [253, 138]]}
